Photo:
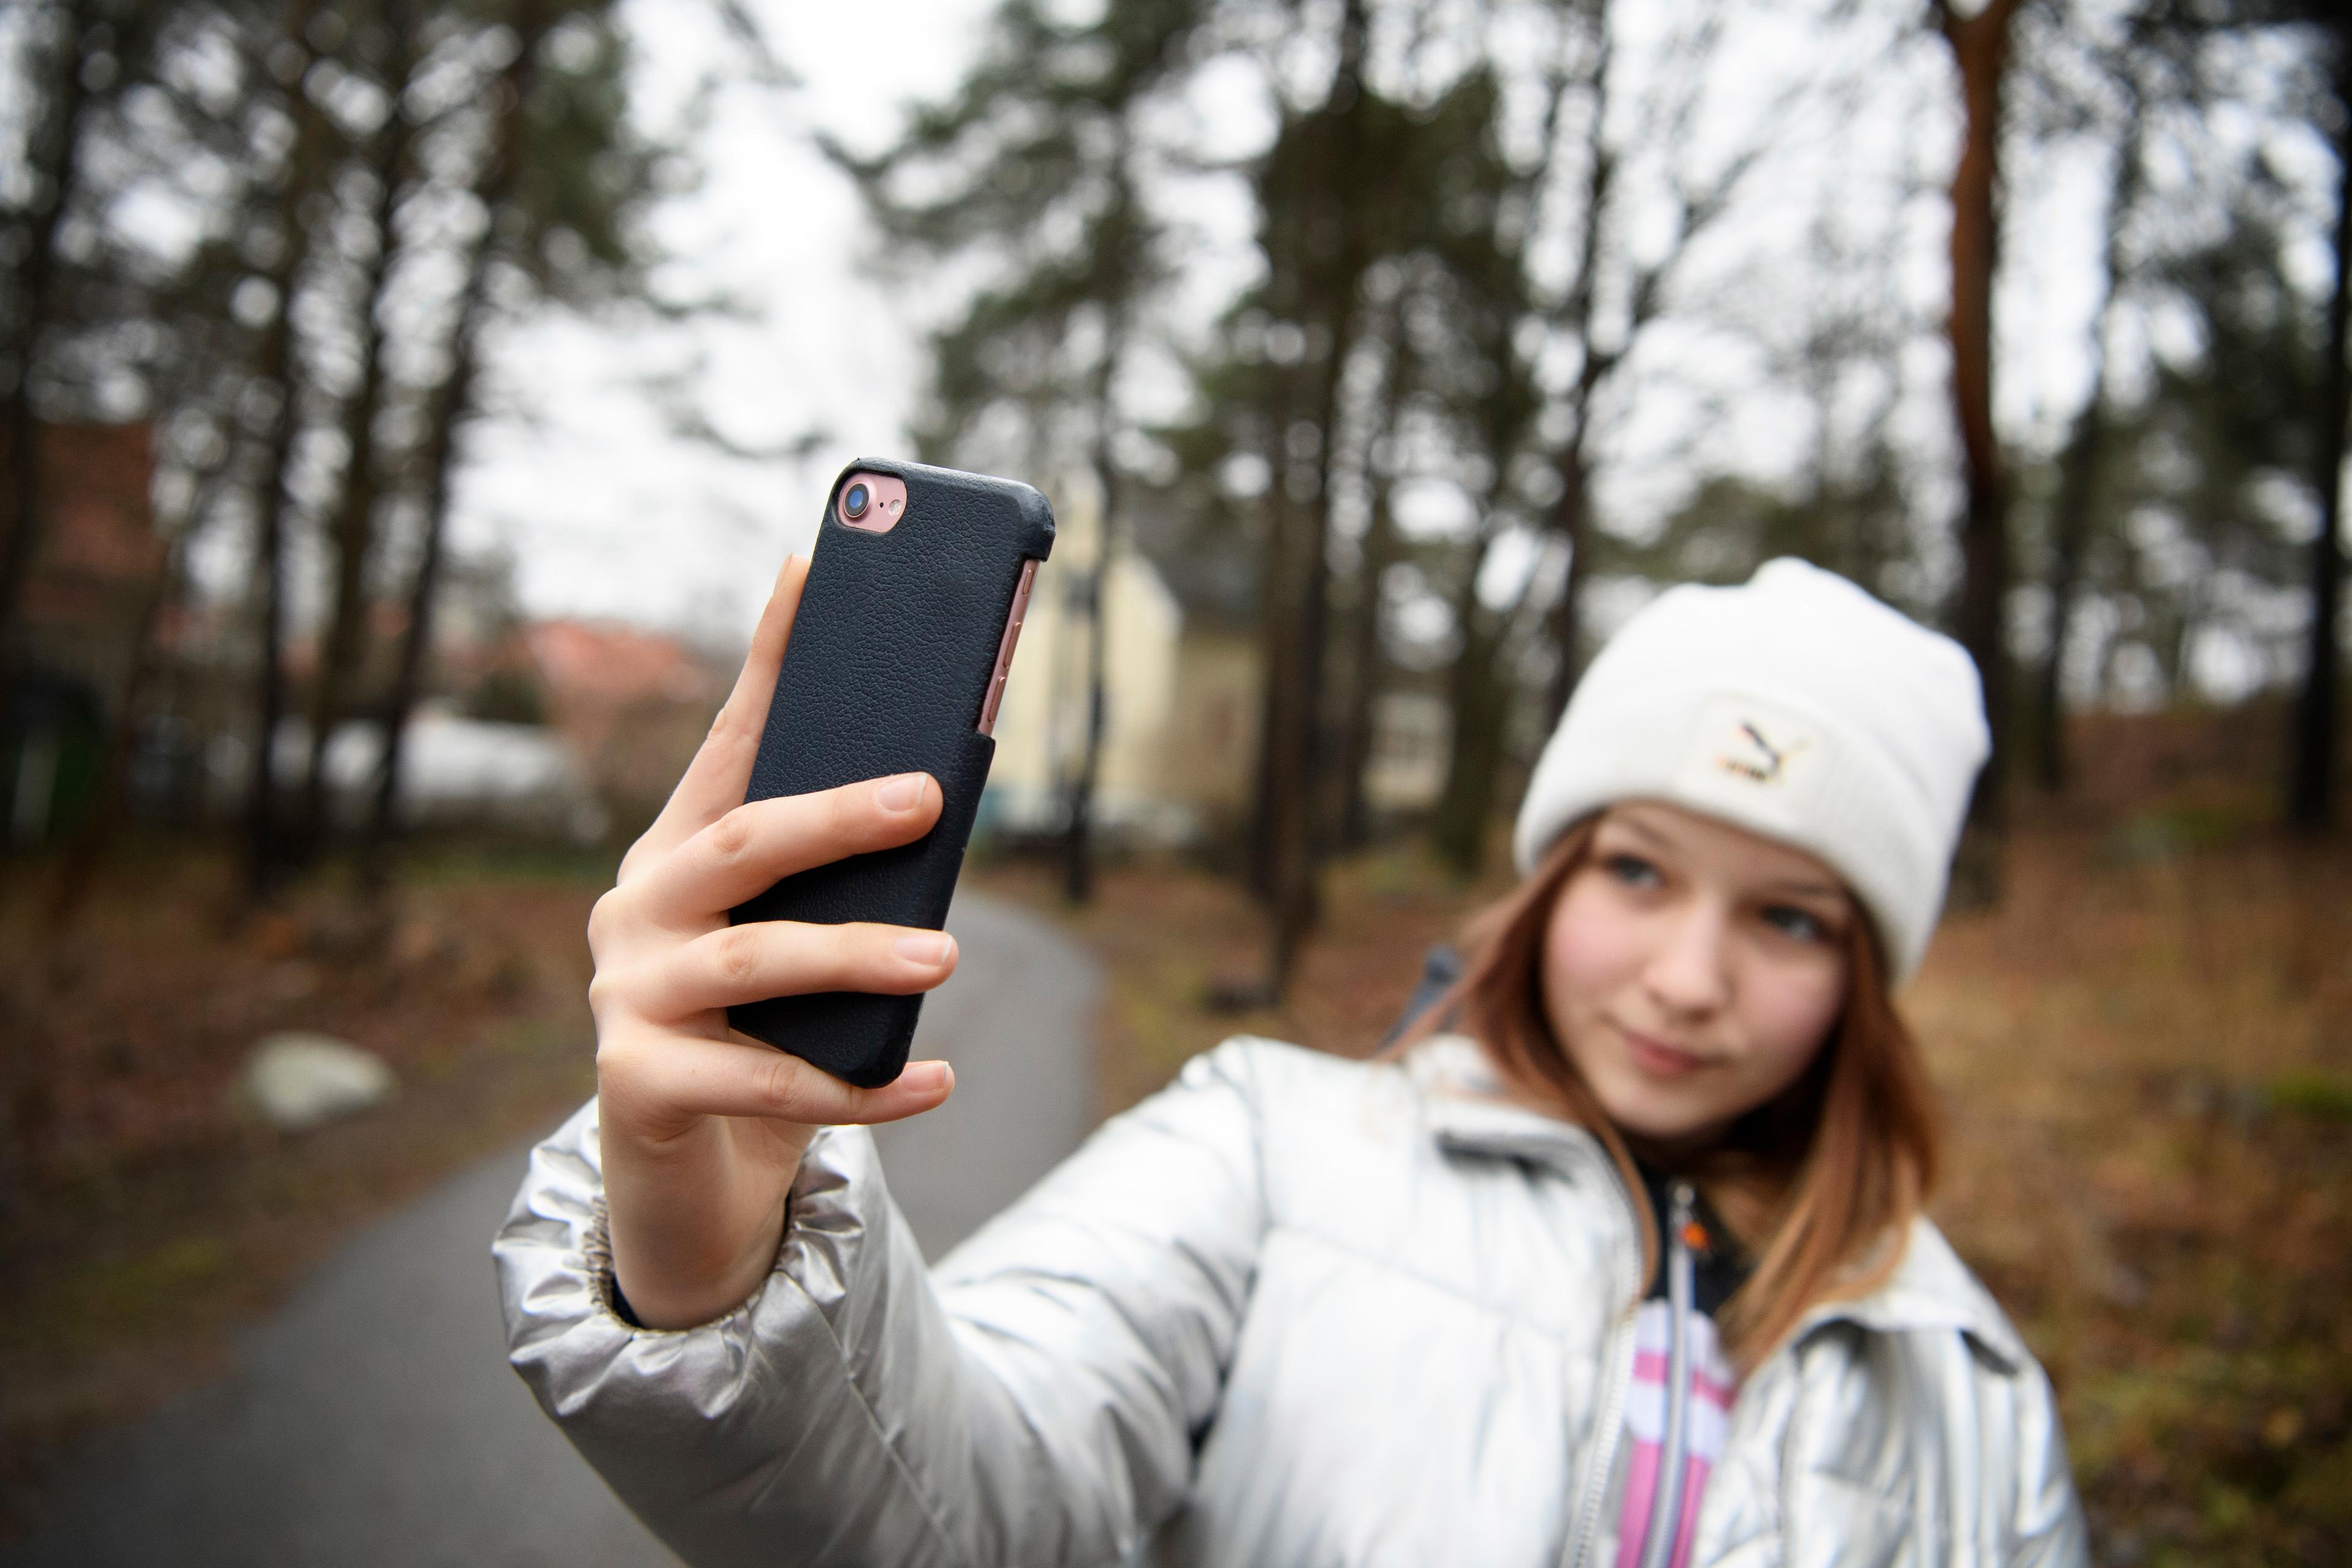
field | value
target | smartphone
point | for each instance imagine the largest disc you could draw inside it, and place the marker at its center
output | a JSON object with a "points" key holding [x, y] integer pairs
{"points": [[916, 592]]}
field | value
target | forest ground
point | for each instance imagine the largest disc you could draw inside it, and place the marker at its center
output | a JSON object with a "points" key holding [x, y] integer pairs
{"points": [[2145, 1055]]}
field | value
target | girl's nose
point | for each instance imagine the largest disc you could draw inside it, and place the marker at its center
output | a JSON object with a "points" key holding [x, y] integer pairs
{"points": [[1688, 973]]}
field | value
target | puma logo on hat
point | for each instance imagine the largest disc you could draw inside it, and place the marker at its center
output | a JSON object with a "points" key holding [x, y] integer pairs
{"points": [[1758, 760]]}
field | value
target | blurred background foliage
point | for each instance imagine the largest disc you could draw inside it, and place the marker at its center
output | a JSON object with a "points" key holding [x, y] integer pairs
{"points": [[1528, 285]]}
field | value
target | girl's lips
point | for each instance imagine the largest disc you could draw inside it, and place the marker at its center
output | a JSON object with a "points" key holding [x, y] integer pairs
{"points": [[1658, 1059]]}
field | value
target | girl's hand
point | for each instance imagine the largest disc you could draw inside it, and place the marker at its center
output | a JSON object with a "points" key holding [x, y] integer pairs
{"points": [[703, 1129]]}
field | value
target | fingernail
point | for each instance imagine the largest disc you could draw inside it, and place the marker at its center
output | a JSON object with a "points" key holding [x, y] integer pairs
{"points": [[925, 1077], [900, 793], [932, 950]]}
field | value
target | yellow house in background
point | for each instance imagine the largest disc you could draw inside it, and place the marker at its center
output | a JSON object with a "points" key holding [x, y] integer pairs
{"points": [[1040, 728], [1182, 698]]}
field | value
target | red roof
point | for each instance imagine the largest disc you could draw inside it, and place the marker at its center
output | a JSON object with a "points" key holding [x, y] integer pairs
{"points": [[97, 533], [605, 664]]}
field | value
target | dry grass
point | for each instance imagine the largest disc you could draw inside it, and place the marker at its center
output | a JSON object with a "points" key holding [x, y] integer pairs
{"points": [[2147, 1059], [2149, 1069], [2147, 1055], [144, 1217]]}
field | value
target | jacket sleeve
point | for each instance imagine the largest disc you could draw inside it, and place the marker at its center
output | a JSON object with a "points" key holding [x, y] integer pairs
{"points": [[1034, 1402]]}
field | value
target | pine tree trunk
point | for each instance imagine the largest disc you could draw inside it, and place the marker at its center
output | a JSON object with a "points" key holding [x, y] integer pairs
{"points": [[1298, 896], [78, 868], [54, 152], [1297, 742], [2078, 476], [456, 405], [1459, 833], [263, 852], [1366, 674], [2311, 795], [1571, 524], [1571, 519], [1078, 870], [1078, 848], [354, 533], [1980, 46], [1367, 663], [1274, 639], [280, 369], [2079, 473]]}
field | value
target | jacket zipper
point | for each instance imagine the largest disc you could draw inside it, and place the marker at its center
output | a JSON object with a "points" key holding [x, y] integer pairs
{"points": [[1619, 1374], [1666, 1502]]}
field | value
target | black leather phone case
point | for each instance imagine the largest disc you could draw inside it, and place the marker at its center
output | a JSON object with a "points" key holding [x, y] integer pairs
{"points": [[885, 672]]}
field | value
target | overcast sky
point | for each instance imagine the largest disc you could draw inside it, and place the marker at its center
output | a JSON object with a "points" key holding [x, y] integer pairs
{"points": [[608, 513]]}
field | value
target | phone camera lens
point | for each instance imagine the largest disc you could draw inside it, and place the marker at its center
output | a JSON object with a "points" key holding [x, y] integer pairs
{"points": [[854, 500]]}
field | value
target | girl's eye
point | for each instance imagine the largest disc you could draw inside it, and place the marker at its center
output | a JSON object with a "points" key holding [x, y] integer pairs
{"points": [[1632, 870], [1790, 920]]}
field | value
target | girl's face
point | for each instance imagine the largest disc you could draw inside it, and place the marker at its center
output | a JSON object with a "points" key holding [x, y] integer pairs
{"points": [[1692, 969]]}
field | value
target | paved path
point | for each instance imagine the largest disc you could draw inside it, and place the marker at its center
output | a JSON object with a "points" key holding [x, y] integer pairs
{"points": [[374, 1421]]}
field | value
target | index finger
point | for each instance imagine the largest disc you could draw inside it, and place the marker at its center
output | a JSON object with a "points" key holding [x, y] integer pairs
{"points": [[754, 846], [713, 783]]}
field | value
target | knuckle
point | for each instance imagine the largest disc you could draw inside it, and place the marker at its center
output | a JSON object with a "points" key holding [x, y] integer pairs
{"points": [[604, 917], [781, 1087], [736, 952], [619, 1065], [617, 994], [731, 835]]}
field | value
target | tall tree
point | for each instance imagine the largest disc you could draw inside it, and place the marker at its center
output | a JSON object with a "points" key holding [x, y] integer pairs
{"points": [[2185, 536], [1348, 287], [294, 195], [1574, 176], [1980, 42], [352, 533], [171, 324], [1046, 163], [555, 179], [326, 156], [2079, 462], [1535, 424], [2318, 720], [63, 45], [1379, 548], [1316, 252]]}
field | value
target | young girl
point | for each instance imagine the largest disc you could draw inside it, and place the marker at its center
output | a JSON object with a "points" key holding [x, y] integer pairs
{"points": [[1618, 1261]]}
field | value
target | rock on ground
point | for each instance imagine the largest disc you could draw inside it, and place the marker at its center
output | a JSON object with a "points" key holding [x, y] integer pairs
{"points": [[295, 1081]]}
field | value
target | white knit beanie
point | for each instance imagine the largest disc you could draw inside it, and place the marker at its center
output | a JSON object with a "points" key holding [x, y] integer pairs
{"points": [[1795, 706]]}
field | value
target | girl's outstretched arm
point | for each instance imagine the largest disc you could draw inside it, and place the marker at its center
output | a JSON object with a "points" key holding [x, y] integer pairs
{"points": [[703, 1129], [1037, 1407], [706, 1282]]}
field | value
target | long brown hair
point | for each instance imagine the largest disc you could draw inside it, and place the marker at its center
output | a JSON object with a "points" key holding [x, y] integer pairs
{"points": [[1820, 1183]]}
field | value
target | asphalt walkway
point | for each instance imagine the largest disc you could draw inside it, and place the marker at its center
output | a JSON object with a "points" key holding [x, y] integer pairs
{"points": [[374, 1421]]}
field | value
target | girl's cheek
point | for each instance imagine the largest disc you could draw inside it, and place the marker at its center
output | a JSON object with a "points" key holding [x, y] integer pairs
{"points": [[1790, 1015], [1590, 945]]}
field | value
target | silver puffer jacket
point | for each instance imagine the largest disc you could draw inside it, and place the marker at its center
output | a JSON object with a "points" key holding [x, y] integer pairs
{"points": [[1293, 1311]]}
